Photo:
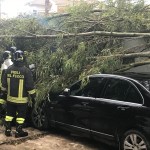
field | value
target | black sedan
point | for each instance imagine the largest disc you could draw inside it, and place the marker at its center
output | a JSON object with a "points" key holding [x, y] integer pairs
{"points": [[110, 108]]}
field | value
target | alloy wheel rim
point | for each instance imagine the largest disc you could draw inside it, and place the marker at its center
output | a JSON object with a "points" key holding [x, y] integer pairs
{"points": [[38, 117], [134, 142]]}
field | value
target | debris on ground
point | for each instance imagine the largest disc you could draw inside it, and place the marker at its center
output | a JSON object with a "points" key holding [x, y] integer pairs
{"points": [[43, 140]]}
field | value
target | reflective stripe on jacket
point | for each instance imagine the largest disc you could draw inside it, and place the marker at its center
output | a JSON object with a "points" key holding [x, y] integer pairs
{"points": [[19, 83]]}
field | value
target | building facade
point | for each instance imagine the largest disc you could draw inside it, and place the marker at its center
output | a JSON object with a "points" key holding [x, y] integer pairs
{"points": [[53, 6]]}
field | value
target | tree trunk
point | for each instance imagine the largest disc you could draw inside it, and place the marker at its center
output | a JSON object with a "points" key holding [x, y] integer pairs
{"points": [[98, 33], [133, 65], [131, 55]]}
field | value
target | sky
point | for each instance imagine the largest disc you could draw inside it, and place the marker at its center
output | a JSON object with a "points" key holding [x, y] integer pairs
{"points": [[13, 7]]}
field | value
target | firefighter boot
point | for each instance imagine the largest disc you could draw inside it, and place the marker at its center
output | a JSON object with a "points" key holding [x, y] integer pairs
{"points": [[20, 132], [8, 128]]}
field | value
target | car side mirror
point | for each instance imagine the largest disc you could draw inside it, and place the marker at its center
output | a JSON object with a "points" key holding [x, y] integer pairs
{"points": [[66, 92]]}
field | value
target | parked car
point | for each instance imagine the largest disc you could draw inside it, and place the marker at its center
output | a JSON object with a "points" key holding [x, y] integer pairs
{"points": [[110, 108]]}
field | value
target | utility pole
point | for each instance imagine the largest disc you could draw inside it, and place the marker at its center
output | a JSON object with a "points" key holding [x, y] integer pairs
{"points": [[73, 2], [48, 5], [0, 10]]}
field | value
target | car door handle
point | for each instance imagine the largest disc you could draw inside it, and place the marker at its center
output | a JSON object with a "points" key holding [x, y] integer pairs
{"points": [[84, 103], [51, 107], [123, 107]]}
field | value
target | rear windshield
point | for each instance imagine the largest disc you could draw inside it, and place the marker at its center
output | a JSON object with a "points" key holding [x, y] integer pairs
{"points": [[145, 83], [145, 93]]}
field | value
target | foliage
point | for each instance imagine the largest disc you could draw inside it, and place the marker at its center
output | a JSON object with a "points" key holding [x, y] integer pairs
{"points": [[61, 61]]}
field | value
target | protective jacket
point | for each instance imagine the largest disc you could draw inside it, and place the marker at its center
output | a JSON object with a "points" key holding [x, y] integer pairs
{"points": [[18, 82], [4, 66]]}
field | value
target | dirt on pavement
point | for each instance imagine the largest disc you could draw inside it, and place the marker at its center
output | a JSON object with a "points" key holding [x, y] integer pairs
{"points": [[53, 140]]}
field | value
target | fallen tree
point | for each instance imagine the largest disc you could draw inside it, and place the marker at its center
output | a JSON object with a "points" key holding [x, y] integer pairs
{"points": [[69, 47], [94, 33], [131, 55]]}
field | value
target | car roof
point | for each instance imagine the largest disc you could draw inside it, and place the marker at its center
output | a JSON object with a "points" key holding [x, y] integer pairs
{"points": [[119, 77], [135, 75], [115, 76], [112, 76]]}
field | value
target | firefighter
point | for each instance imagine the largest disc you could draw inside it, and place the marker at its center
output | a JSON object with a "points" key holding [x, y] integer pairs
{"points": [[12, 50], [18, 82], [6, 63], [6, 60]]}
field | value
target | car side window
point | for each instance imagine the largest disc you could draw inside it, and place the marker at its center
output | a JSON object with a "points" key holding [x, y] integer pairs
{"points": [[133, 96], [75, 88], [122, 90], [116, 89], [92, 88]]}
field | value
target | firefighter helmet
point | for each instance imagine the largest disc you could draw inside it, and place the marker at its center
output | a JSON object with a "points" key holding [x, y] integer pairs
{"points": [[13, 49], [19, 55], [6, 55]]}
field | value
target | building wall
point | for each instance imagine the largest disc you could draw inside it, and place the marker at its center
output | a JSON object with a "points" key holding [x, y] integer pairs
{"points": [[38, 6], [62, 4], [57, 5], [69, 2]]}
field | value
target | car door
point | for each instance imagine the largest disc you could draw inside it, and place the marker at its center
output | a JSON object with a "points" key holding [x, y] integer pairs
{"points": [[74, 111], [118, 104]]}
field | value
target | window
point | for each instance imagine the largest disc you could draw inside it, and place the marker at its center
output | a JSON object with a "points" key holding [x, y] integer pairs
{"points": [[75, 89], [91, 88], [116, 89], [122, 90], [133, 96]]}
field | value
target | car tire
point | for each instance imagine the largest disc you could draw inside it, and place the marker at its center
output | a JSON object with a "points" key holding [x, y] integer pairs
{"points": [[134, 140], [39, 118]]}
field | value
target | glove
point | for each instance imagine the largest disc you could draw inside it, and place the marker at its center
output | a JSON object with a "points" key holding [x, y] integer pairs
{"points": [[33, 99], [2, 109], [33, 102], [3, 95]]}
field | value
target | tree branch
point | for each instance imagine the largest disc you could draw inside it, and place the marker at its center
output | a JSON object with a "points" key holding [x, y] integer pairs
{"points": [[69, 14], [131, 55], [98, 33], [133, 65]]}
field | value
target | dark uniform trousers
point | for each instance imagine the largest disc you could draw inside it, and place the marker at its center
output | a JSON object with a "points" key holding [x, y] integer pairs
{"points": [[13, 110]]}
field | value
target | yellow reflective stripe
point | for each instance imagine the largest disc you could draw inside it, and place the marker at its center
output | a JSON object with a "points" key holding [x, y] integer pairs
{"points": [[17, 99], [8, 83], [20, 120], [20, 91], [2, 101], [9, 118], [32, 91]]}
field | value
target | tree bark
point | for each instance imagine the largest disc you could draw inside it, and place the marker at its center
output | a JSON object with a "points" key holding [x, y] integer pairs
{"points": [[98, 33], [133, 65], [131, 55]]}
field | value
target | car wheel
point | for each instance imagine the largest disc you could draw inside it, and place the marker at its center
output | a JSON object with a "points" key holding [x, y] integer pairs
{"points": [[134, 140], [39, 118]]}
